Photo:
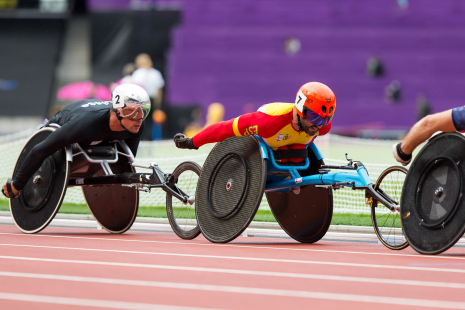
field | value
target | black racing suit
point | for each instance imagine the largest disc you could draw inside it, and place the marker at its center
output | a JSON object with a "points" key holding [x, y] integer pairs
{"points": [[82, 122]]}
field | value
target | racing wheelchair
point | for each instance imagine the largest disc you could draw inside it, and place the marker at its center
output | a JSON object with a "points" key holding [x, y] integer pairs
{"points": [[110, 184], [432, 205], [239, 170]]}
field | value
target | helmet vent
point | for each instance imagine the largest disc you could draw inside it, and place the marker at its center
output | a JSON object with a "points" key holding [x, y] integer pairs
{"points": [[323, 108], [330, 110]]}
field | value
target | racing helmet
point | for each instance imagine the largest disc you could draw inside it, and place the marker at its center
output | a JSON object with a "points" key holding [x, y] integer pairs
{"points": [[130, 100], [316, 103]]}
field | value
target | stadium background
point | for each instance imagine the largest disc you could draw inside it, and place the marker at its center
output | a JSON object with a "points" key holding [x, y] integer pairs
{"points": [[242, 54]]}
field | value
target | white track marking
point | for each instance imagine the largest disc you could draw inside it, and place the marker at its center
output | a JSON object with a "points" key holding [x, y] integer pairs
{"points": [[249, 272], [247, 246], [89, 302], [255, 291], [248, 258]]}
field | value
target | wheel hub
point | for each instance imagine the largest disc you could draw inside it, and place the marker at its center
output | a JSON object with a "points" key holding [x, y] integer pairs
{"points": [[439, 192], [229, 185]]}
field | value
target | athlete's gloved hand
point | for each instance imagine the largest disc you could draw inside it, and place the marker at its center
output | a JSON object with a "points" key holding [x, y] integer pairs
{"points": [[9, 191], [400, 156], [182, 142]]}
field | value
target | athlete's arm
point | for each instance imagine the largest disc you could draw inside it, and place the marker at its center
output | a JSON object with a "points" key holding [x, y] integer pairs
{"points": [[214, 133], [427, 126], [75, 130], [256, 123]]}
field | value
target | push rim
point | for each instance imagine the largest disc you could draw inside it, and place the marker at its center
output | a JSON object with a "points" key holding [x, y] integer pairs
{"points": [[387, 223], [182, 216]]}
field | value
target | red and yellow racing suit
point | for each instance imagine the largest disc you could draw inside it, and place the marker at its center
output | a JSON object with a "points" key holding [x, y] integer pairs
{"points": [[272, 122]]}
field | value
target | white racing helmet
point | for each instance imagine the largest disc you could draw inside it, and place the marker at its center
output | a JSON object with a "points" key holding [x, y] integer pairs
{"points": [[130, 100]]}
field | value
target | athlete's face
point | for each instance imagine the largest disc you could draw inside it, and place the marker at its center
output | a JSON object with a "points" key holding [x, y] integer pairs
{"points": [[132, 125], [133, 115], [308, 127]]}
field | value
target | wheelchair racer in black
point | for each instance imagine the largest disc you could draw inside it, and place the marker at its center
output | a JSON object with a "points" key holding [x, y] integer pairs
{"points": [[88, 122]]}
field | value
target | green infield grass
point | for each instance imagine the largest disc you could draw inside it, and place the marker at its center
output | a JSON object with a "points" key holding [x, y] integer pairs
{"points": [[262, 215]]}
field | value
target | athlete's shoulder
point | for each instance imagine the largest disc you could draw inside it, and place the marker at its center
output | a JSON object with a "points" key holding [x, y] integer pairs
{"points": [[87, 105], [93, 103], [276, 108]]}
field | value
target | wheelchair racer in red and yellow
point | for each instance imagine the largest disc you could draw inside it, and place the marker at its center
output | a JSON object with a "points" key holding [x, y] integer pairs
{"points": [[283, 126]]}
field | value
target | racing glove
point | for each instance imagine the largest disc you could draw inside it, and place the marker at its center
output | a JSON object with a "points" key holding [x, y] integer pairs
{"points": [[182, 142]]}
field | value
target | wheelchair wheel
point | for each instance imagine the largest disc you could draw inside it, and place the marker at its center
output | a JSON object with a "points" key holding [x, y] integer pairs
{"points": [[182, 216], [387, 223]]}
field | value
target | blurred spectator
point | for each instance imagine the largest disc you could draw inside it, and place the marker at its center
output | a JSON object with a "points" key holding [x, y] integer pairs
{"points": [[393, 92], [152, 81], [196, 125], [149, 78], [374, 67], [423, 107], [158, 118], [291, 45], [403, 4], [128, 70], [215, 114]]}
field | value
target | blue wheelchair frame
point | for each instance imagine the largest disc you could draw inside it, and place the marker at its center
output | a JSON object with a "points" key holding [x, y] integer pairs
{"points": [[278, 176]]}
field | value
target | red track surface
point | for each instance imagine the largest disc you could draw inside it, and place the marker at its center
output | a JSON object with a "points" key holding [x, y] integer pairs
{"points": [[85, 268]]}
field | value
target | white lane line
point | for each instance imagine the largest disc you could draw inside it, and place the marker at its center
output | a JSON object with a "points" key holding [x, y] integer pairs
{"points": [[443, 304], [250, 272], [441, 256], [248, 258], [90, 302]]}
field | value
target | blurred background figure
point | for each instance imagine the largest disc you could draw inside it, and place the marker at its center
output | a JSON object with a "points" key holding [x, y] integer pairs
{"points": [[128, 70], [374, 67], [196, 125], [215, 114], [150, 78], [291, 45], [403, 4], [393, 92], [152, 81], [158, 118], [423, 107]]}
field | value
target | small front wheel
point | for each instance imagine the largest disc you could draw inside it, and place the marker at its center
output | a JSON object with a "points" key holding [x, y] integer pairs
{"points": [[386, 222], [182, 216]]}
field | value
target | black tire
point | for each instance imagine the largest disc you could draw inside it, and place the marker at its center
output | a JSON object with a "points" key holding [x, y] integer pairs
{"points": [[387, 223], [182, 216]]}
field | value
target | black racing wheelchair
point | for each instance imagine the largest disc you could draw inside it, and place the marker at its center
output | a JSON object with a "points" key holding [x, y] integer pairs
{"points": [[239, 170], [432, 204], [110, 184]]}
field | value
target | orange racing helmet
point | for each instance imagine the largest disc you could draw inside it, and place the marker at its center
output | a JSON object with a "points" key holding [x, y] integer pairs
{"points": [[316, 103]]}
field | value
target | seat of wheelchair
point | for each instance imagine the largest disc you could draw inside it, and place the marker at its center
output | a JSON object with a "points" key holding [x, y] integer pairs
{"points": [[288, 155], [102, 152]]}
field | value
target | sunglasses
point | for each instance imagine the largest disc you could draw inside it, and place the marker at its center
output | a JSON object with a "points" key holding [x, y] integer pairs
{"points": [[316, 119], [135, 111]]}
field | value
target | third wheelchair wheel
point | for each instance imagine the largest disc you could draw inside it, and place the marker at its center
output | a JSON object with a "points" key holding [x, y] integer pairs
{"points": [[182, 216], [387, 223]]}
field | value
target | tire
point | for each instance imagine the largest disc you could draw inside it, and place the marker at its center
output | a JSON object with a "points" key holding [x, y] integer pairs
{"points": [[182, 216], [387, 223]]}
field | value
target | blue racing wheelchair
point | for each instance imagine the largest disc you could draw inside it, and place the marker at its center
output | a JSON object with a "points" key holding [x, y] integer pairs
{"points": [[239, 170]]}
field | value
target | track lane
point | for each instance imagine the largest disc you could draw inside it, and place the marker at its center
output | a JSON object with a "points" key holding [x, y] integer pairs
{"points": [[140, 252]]}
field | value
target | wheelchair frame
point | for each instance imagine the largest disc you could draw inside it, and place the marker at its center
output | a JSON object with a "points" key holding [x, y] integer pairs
{"points": [[357, 181]]}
